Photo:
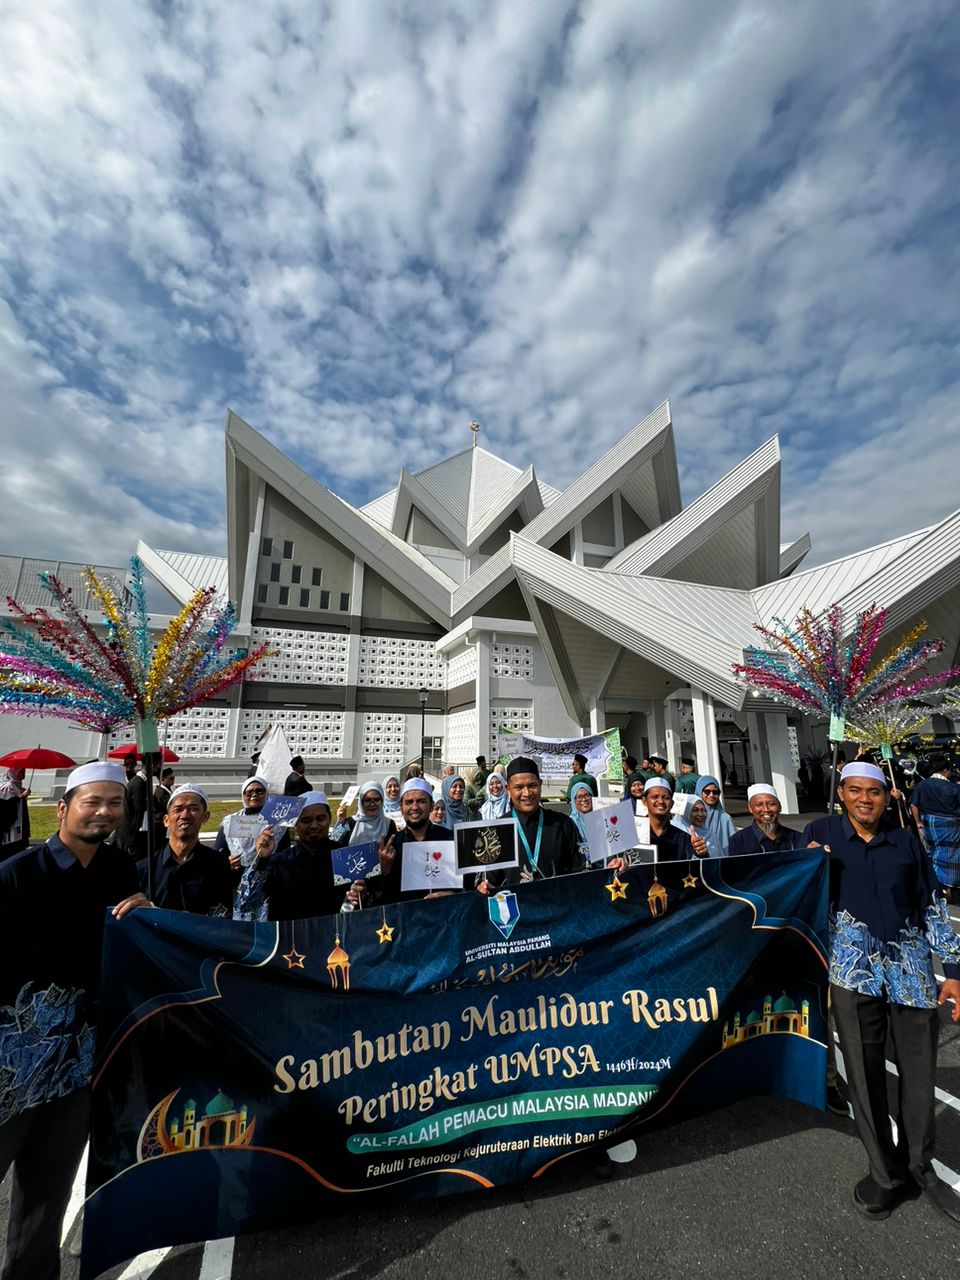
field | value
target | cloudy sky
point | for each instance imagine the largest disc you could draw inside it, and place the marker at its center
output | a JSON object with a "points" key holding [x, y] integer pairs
{"points": [[361, 224]]}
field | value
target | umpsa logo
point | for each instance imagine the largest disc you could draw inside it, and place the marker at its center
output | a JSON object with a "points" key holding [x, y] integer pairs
{"points": [[504, 912]]}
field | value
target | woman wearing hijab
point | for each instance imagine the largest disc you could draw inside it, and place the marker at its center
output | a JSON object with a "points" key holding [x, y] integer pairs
{"points": [[391, 795], [581, 802], [453, 789], [240, 848], [497, 803], [634, 793], [370, 823], [719, 825]]}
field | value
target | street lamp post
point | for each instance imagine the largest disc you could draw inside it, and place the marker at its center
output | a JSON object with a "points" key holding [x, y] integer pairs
{"points": [[423, 695]]}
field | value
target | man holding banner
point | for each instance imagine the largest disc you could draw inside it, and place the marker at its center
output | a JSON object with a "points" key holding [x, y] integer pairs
{"points": [[416, 801], [297, 881], [549, 843], [888, 919]]}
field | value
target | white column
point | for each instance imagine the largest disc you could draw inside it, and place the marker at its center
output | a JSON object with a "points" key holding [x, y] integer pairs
{"points": [[759, 758], [782, 769], [705, 733], [657, 728], [482, 695], [671, 711]]}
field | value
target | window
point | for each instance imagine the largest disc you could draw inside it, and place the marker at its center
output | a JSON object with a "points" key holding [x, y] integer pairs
{"points": [[295, 571], [344, 601], [284, 595], [316, 577], [266, 547], [275, 572], [324, 599], [262, 593], [304, 599], [288, 551]]}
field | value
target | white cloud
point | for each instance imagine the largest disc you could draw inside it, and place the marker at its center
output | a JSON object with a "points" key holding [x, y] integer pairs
{"points": [[360, 230]]}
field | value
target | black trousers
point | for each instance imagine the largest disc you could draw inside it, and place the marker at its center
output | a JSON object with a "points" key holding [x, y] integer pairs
{"points": [[44, 1145], [862, 1025]]}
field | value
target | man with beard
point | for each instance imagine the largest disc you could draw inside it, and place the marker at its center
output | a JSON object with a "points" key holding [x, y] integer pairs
{"points": [[188, 875], [297, 881], [765, 834], [416, 802], [887, 920], [53, 898]]}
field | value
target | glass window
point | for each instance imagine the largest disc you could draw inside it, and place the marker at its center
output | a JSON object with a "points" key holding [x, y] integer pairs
{"points": [[288, 551], [316, 577], [305, 599], [275, 572], [295, 571], [266, 547], [284, 595], [262, 593], [324, 599], [344, 600]]}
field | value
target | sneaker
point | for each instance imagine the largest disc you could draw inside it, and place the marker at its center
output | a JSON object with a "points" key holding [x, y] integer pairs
{"points": [[837, 1103], [871, 1201]]}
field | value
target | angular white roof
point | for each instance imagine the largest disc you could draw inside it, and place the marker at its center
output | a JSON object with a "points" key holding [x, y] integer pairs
{"points": [[182, 574]]}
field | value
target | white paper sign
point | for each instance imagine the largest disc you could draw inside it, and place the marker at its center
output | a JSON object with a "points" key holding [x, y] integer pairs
{"points": [[429, 865], [610, 832], [350, 794], [242, 831]]}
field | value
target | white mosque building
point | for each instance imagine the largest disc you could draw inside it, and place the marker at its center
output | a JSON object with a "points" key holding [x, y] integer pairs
{"points": [[473, 595]]}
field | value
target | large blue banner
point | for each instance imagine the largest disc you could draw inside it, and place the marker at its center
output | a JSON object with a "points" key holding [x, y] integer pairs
{"points": [[256, 1075]]}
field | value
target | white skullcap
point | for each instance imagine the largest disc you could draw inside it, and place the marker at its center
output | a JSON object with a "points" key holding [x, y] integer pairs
{"points": [[657, 782], [313, 797], [98, 771], [862, 769], [187, 788], [761, 789], [255, 777], [416, 784]]}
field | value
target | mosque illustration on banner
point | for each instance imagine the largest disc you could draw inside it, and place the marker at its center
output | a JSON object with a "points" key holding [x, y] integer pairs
{"points": [[221, 1125], [778, 1018]]}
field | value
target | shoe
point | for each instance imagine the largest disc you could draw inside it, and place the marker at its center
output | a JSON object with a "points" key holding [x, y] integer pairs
{"points": [[837, 1103], [871, 1201], [941, 1196]]}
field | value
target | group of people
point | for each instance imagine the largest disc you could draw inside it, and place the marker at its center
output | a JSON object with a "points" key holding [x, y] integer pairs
{"points": [[887, 915]]}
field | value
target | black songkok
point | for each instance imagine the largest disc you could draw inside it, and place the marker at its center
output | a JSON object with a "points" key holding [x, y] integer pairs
{"points": [[522, 765]]}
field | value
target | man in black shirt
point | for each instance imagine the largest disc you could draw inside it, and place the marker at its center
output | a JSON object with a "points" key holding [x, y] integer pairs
{"points": [[549, 843], [296, 783], [672, 844], [189, 876], [765, 834], [416, 801], [297, 881], [131, 831], [52, 903]]}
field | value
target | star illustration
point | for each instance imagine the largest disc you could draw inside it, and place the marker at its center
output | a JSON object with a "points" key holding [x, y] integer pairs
{"points": [[616, 889], [689, 881], [385, 932], [294, 959]]}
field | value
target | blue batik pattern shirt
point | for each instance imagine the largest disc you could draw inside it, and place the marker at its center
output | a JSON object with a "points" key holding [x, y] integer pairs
{"points": [[888, 917], [46, 1048]]}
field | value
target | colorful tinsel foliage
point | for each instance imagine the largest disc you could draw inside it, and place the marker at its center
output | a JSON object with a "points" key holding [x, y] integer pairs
{"points": [[887, 725], [53, 662], [821, 665]]}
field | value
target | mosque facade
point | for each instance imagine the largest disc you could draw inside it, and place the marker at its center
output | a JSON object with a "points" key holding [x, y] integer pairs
{"points": [[473, 595]]}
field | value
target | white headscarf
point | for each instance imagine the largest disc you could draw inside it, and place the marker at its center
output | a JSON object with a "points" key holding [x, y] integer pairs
{"points": [[366, 829], [495, 806]]}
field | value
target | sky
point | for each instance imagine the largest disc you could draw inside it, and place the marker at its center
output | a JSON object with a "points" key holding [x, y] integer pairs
{"points": [[361, 225]]}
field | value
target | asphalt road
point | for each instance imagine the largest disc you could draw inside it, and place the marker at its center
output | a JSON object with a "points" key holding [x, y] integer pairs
{"points": [[758, 1189]]}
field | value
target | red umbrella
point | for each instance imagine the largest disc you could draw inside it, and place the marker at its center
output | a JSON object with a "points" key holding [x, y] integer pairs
{"points": [[36, 758], [131, 749]]}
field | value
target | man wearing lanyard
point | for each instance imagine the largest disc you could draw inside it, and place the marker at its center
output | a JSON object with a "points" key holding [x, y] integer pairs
{"points": [[549, 842]]}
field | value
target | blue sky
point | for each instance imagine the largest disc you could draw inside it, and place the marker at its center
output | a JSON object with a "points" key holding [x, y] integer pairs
{"points": [[362, 225]]}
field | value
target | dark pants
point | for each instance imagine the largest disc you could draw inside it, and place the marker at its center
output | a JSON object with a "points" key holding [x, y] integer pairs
{"points": [[862, 1025], [44, 1145]]}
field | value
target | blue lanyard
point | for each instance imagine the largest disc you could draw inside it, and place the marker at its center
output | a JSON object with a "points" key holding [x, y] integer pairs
{"points": [[532, 858]]}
